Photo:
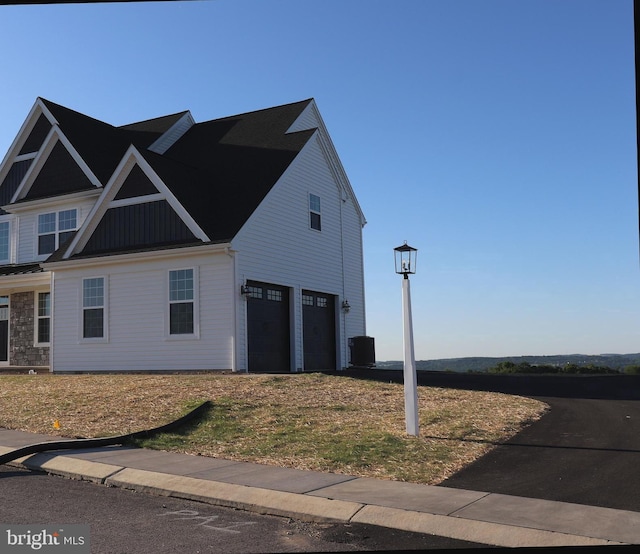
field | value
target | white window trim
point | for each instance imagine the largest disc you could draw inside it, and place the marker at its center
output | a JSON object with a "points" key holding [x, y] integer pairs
{"points": [[312, 211], [7, 260], [37, 317], [105, 311], [196, 306], [56, 233]]}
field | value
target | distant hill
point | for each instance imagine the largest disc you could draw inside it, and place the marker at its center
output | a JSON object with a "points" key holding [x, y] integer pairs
{"points": [[614, 361]]}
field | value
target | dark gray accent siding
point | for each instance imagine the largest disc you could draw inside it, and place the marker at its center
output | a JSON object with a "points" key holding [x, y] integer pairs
{"points": [[138, 226], [12, 181], [36, 137], [136, 184], [60, 175]]}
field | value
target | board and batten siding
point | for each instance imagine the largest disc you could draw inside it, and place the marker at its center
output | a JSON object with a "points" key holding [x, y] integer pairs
{"points": [[277, 245], [137, 302]]}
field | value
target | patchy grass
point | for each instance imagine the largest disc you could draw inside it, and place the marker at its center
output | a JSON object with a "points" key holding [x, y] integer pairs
{"points": [[305, 421]]}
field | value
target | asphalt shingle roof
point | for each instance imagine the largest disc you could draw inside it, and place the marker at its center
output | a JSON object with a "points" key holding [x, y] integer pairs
{"points": [[219, 170]]}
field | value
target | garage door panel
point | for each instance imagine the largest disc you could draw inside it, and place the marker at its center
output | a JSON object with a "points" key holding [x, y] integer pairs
{"points": [[319, 330], [268, 327]]}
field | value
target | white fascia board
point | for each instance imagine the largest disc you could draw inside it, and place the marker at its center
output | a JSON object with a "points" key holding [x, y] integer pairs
{"points": [[173, 134], [26, 128], [55, 135], [131, 158], [50, 202], [171, 199], [333, 160], [100, 207], [135, 257], [11, 283]]}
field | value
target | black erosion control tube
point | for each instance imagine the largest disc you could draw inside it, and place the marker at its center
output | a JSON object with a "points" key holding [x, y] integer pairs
{"points": [[75, 444]]}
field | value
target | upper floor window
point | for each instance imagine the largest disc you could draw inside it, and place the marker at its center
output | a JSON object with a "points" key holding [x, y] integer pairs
{"points": [[4, 242], [54, 229], [315, 220]]}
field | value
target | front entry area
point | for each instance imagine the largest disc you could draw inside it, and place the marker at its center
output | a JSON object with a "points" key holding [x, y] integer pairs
{"points": [[268, 327], [319, 330]]}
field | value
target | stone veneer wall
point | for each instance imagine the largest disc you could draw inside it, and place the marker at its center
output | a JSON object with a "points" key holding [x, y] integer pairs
{"points": [[22, 352]]}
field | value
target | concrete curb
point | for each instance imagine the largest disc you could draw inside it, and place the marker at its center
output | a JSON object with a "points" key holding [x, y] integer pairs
{"points": [[494, 534], [236, 496], [313, 506]]}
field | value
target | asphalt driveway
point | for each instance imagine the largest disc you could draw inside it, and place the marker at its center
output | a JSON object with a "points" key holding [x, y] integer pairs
{"points": [[585, 450]]}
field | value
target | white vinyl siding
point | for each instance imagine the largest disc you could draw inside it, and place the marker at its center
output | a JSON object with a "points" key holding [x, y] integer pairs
{"points": [[137, 319], [276, 246]]}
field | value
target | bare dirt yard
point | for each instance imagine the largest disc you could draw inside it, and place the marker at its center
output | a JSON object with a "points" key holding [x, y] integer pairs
{"points": [[304, 421]]}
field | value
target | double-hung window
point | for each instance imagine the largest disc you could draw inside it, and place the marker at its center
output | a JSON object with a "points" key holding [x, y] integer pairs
{"points": [[315, 217], [4, 242], [43, 311], [54, 228], [182, 313], [93, 308]]}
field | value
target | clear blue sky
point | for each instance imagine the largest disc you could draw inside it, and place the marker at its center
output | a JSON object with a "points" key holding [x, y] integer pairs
{"points": [[496, 136]]}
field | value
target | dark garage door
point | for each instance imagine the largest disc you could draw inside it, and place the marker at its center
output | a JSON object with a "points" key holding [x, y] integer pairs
{"points": [[319, 329], [268, 327]]}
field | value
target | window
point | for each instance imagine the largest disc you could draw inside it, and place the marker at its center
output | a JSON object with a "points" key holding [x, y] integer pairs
{"points": [[43, 329], [4, 242], [93, 306], [54, 229], [254, 292], [181, 302], [314, 212], [274, 295]]}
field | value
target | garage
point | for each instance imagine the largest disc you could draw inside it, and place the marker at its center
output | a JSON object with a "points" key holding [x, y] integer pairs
{"points": [[268, 327], [319, 330]]}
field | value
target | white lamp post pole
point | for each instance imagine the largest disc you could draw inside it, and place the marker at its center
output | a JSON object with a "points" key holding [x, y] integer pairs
{"points": [[406, 264], [410, 379]]}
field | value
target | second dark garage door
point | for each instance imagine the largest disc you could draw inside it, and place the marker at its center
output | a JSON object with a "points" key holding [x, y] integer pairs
{"points": [[319, 330]]}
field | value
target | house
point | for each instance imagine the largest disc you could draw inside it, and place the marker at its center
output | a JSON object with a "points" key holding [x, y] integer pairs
{"points": [[167, 244]]}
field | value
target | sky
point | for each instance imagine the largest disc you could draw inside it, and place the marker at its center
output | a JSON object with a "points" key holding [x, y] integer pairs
{"points": [[498, 137]]}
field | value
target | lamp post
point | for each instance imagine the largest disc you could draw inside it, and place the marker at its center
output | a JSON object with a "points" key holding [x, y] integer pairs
{"points": [[405, 257]]}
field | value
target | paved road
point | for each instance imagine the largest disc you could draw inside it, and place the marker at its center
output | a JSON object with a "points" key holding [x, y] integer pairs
{"points": [[125, 522]]}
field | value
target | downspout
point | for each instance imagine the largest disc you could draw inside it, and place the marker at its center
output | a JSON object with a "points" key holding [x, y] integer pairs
{"points": [[343, 331], [51, 320]]}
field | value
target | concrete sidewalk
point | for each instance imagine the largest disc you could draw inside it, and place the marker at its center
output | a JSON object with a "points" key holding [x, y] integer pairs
{"points": [[492, 519]]}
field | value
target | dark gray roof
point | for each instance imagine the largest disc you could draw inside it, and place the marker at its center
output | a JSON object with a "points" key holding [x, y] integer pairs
{"points": [[155, 125], [20, 269], [219, 170]]}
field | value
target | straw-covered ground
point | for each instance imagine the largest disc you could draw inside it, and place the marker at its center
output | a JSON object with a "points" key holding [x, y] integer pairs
{"points": [[305, 421]]}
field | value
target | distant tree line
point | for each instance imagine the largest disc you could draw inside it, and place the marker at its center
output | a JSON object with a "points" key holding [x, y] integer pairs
{"points": [[566, 369]]}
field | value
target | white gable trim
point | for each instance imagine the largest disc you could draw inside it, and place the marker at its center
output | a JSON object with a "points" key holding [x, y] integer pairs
{"points": [[11, 156], [310, 115], [131, 158], [55, 135], [173, 134]]}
